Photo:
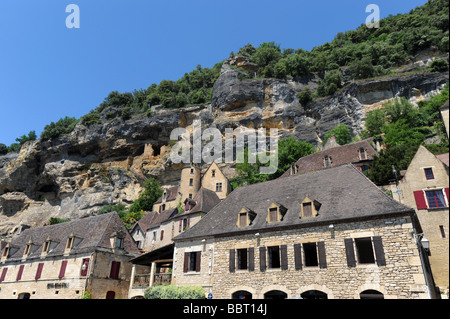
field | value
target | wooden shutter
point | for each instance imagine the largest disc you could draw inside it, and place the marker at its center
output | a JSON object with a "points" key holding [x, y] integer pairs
{"points": [[115, 267], [379, 251], [186, 262], [251, 259], [19, 274], [262, 259], [420, 200], [4, 271], [198, 259], [161, 235], [350, 252], [180, 226], [284, 257], [298, 256], [232, 265], [62, 270], [188, 223], [322, 254], [39, 271], [448, 198]]}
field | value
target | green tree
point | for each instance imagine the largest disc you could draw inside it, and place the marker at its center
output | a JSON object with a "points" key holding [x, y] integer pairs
{"points": [[3, 149], [25, 138], [62, 127], [342, 134], [305, 96], [152, 191], [331, 82], [375, 120]]}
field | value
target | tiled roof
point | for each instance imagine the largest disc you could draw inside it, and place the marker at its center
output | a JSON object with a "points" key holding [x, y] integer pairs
{"points": [[205, 200], [90, 233], [171, 192], [343, 192], [443, 158], [340, 155], [159, 218]]}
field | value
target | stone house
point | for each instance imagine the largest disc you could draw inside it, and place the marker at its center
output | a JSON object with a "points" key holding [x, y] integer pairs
{"points": [[191, 181], [425, 186], [69, 260], [360, 154], [331, 233], [445, 117], [154, 266]]}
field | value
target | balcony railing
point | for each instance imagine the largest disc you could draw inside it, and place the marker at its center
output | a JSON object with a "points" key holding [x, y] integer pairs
{"points": [[162, 279], [143, 281]]}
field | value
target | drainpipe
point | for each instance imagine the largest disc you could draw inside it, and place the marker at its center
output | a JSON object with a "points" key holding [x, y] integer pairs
{"points": [[419, 246]]}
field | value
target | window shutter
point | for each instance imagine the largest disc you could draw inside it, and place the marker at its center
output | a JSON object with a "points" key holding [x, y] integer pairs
{"points": [[350, 252], [198, 260], [62, 270], [186, 262], [420, 200], [262, 259], [232, 260], [4, 271], [251, 259], [86, 264], [180, 225], [284, 257], [115, 267], [161, 235], [188, 222], [298, 256], [322, 255], [448, 199], [19, 274], [379, 251], [39, 271]]}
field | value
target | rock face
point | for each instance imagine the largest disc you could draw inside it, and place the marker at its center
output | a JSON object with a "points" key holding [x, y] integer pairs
{"points": [[75, 175]]}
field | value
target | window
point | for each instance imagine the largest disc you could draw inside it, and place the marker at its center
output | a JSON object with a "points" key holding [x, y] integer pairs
{"points": [[161, 237], [243, 219], [192, 261], [242, 258], [218, 187], [362, 153], [273, 214], [27, 249], [191, 182], [192, 171], [213, 173], [154, 236], [46, 246], [85, 267], [119, 242], [5, 252], [164, 196], [69, 242], [310, 252], [274, 256], [364, 250], [115, 268], [307, 209], [435, 199], [429, 173], [442, 230], [327, 161], [190, 196]]}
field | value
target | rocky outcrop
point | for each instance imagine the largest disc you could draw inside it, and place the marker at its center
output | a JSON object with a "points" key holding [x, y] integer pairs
{"points": [[75, 175]]}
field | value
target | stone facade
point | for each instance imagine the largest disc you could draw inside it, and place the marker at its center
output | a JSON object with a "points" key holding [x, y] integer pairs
{"points": [[434, 220], [401, 277]]}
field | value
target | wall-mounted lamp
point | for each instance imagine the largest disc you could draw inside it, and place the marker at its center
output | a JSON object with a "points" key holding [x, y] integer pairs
{"points": [[425, 243], [257, 234], [331, 226]]}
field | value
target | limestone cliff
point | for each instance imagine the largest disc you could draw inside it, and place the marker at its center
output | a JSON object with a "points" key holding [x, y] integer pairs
{"points": [[75, 175]]}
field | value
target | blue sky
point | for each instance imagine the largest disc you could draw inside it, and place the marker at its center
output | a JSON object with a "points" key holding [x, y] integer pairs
{"points": [[48, 71]]}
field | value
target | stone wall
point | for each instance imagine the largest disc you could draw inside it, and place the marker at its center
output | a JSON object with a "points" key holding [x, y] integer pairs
{"points": [[401, 277]]}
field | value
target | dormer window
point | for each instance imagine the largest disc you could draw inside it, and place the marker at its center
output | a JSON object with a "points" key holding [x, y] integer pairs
{"points": [[27, 248], [117, 240], [69, 244], [362, 154], [294, 169], [245, 218], [46, 246], [5, 252], [327, 161], [275, 213], [309, 208]]}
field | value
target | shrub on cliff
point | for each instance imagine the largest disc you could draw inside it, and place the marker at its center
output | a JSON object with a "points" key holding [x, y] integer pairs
{"points": [[61, 127]]}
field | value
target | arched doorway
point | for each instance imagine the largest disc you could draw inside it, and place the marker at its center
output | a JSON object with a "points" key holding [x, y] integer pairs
{"points": [[110, 295], [371, 294], [314, 294], [275, 294], [241, 294], [24, 295]]}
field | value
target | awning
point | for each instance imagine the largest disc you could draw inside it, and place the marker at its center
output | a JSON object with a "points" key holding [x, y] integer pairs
{"points": [[163, 253]]}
